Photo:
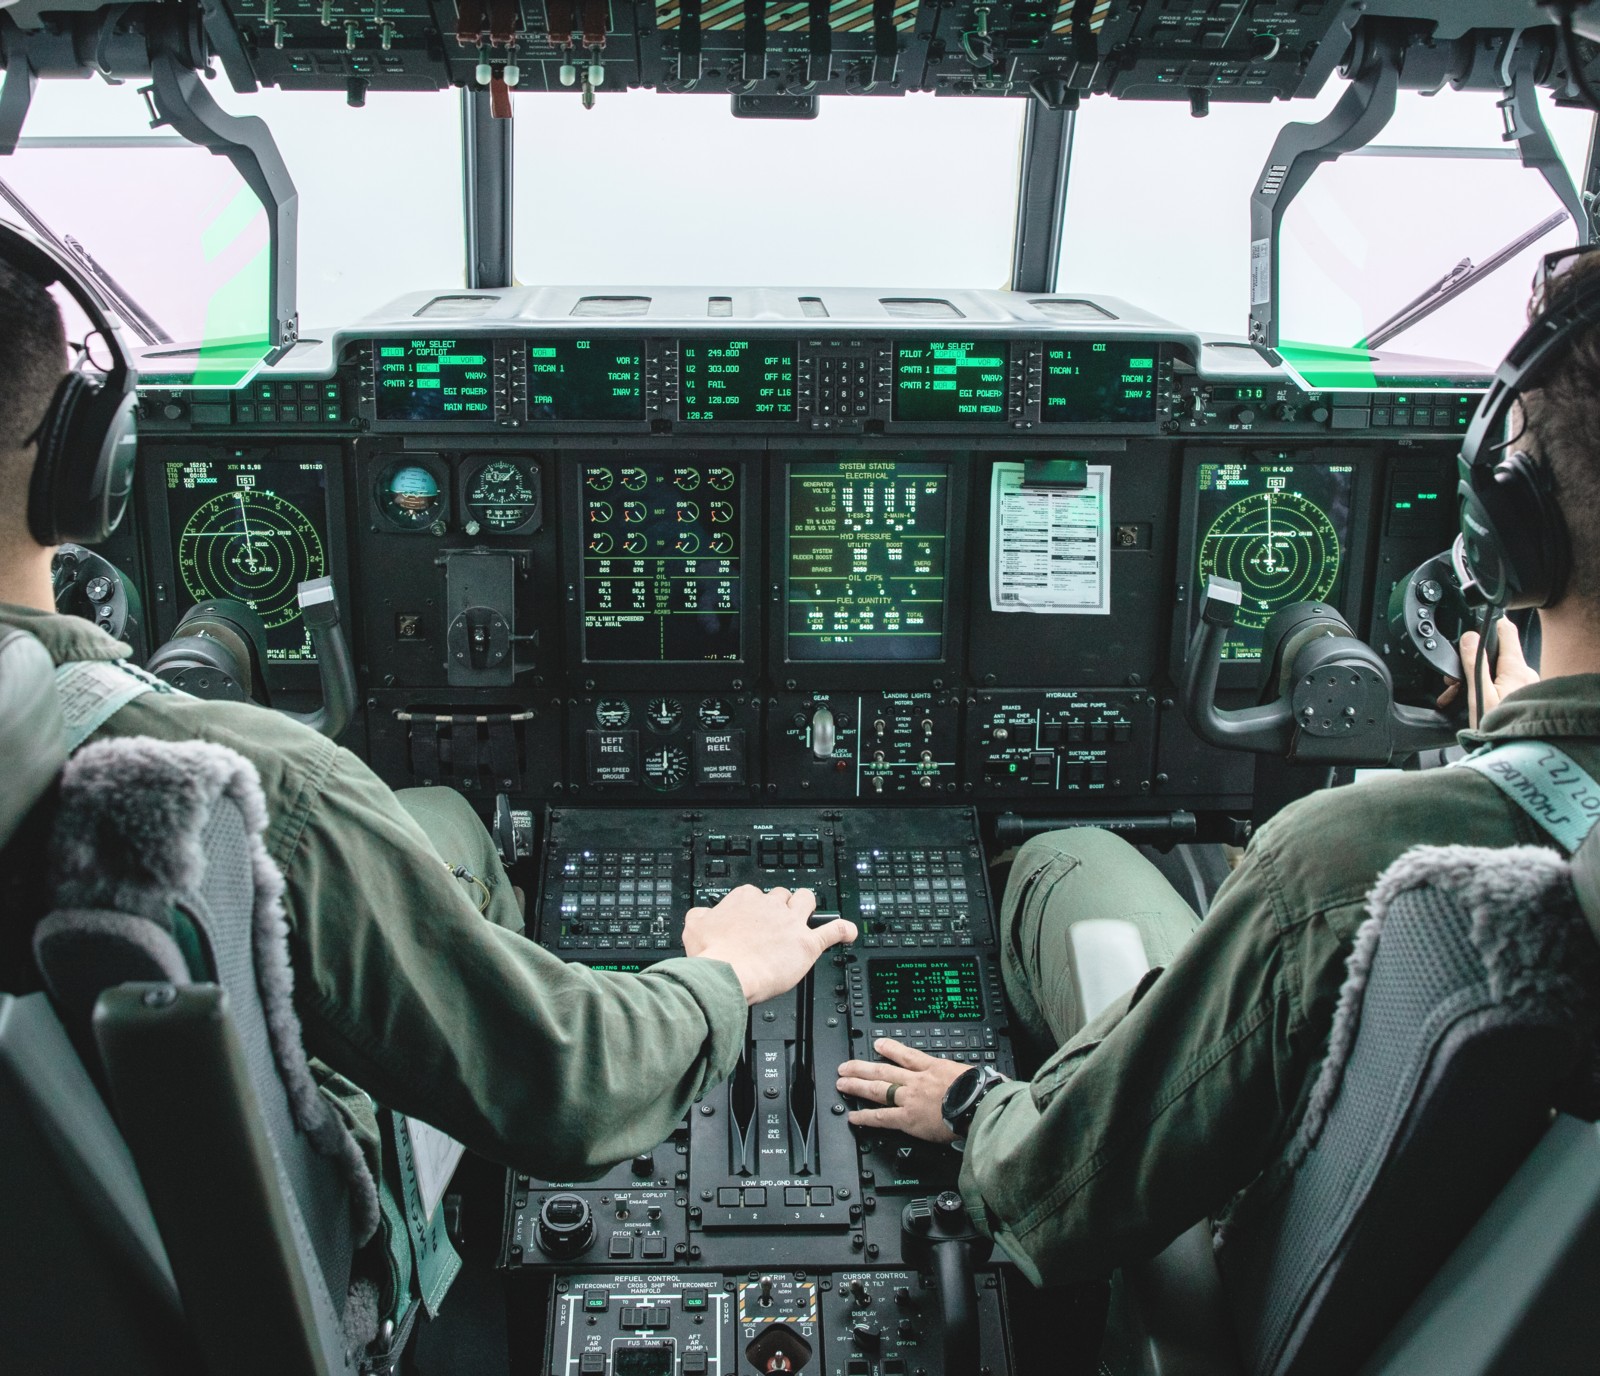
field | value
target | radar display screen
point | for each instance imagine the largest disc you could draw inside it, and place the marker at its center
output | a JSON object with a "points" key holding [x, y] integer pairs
{"points": [[586, 379], [867, 552], [925, 990], [1281, 531], [661, 561], [250, 532], [737, 379], [434, 379], [950, 380], [1098, 382]]}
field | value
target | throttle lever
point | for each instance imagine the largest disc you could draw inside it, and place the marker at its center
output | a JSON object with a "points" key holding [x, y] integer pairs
{"points": [[938, 1235]]}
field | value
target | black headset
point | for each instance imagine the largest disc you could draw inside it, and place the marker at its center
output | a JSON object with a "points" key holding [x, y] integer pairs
{"points": [[88, 438], [1514, 549]]}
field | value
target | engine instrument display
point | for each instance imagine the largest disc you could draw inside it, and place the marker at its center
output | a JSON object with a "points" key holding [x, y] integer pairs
{"points": [[1279, 530], [502, 495], [250, 532], [737, 379], [1099, 382], [661, 561], [434, 379], [867, 560], [586, 379], [950, 380], [925, 990]]}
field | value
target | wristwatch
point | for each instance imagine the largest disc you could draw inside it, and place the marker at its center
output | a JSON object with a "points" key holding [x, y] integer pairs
{"points": [[966, 1092]]}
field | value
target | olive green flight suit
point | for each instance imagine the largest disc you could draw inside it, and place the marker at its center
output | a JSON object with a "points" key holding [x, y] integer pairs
{"points": [[1156, 1114], [403, 987]]}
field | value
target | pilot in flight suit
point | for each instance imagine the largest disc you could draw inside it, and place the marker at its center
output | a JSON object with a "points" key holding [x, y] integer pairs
{"points": [[1163, 1109]]}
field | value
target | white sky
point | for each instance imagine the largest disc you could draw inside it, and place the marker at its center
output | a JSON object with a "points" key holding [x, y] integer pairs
{"points": [[893, 192]]}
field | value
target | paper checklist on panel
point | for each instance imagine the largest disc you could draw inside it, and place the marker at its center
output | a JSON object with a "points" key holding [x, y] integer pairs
{"points": [[1049, 548]]}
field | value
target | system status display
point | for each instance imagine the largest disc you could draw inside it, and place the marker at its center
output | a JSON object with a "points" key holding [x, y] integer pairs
{"points": [[737, 379], [950, 380], [1099, 383], [1281, 531], [661, 562], [435, 379], [925, 990], [586, 379], [867, 560]]}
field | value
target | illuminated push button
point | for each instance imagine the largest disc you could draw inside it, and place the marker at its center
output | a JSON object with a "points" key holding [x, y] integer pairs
{"points": [[592, 1364], [694, 1302], [719, 758], [612, 757], [653, 1248], [728, 1197], [695, 1362]]}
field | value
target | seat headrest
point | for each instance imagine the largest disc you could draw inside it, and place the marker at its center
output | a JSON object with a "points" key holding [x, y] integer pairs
{"points": [[33, 736], [1586, 880]]}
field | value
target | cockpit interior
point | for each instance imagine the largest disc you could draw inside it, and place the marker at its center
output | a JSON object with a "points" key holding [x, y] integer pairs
{"points": [[821, 446]]}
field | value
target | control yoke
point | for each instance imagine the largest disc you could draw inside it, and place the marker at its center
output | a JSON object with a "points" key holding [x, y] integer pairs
{"points": [[1335, 696], [938, 1236], [219, 645]]}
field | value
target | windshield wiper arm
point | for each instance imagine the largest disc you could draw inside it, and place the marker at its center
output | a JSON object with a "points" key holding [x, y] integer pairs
{"points": [[139, 320], [1462, 277]]}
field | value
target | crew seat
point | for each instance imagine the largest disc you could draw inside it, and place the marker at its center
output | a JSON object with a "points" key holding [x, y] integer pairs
{"points": [[207, 1223], [1439, 1208]]}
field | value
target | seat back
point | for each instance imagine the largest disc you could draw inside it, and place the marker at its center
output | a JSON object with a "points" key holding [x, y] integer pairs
{"points": [[1469, 1007], [260, 1194]]}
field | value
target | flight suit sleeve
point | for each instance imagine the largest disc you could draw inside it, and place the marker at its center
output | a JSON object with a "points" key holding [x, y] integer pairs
{"points": [[1156, 1114], [402, 986]]}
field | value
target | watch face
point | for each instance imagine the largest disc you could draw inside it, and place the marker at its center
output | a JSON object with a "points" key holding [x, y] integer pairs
{"points": [[966, 1092]]}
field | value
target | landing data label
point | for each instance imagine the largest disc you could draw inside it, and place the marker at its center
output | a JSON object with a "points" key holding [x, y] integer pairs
{"points": [[867, 560], [435, 379], [1280, 531], [738, 379], [661, 562], [950, 380], [586, 379], [925, 990], [252, 533]]}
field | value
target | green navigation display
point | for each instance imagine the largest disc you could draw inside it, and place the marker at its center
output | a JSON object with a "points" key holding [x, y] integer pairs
{"points": [[1280, 531], [950, 380], [434, 379], [867, 560], [661, 561], [738, 379], [925, 990], [1099, 383], [252, 533], [586, 379]]}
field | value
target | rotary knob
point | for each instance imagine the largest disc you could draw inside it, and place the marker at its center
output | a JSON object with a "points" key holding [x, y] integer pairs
{"points": [[566, 1226]]}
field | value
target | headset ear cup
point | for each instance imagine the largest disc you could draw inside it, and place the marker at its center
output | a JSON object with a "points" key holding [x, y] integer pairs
{"points": [[45, 488], [1513, 534]]}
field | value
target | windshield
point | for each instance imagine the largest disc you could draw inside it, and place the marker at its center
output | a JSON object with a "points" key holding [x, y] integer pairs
{"points": [[380, 202], [671, 190], [1365, 237]]}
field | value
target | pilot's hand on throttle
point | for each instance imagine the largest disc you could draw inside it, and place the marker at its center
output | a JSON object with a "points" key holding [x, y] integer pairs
{"points": [[764, 936], [920, 1082], [1509, 672]]}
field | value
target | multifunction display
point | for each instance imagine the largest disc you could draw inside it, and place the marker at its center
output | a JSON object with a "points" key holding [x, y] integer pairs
{"points": [[737, 379], [950, 380], [251, 533], [661, 561], [867, 560], [434, 379], [1091, 382], [925, 990], [586, 379], [1279, 530]]}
